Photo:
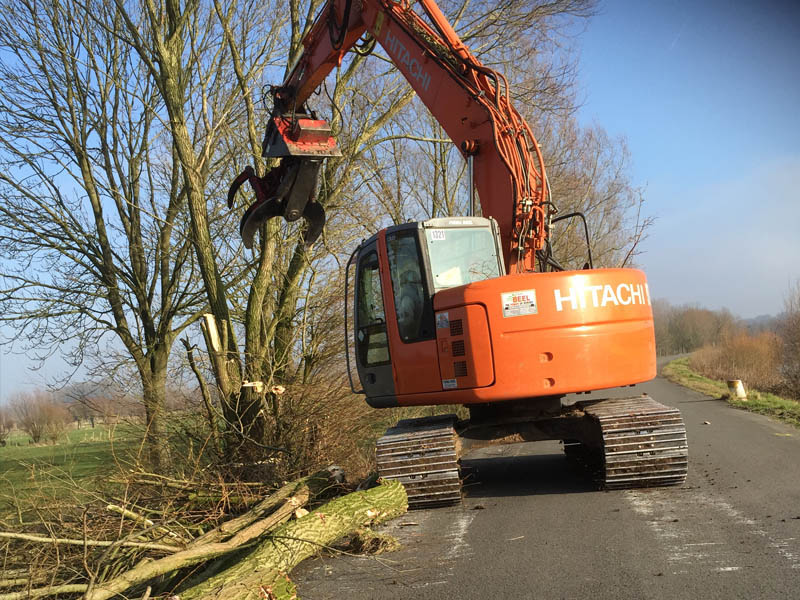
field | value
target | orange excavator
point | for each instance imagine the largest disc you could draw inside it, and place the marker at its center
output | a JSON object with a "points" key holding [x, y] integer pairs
{"points": [[471, 311]]}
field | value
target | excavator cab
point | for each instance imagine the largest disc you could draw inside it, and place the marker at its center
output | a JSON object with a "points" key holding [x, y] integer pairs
{"points": [[397, 273]]}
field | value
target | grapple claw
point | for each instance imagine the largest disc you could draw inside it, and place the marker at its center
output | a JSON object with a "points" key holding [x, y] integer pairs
{"points": [[255, 216], [269, 191], [286, 191], [247, 174], [289, 190], [314, 215]]}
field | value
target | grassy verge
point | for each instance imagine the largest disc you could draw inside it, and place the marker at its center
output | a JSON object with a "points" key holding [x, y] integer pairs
{"points": [[762, 403], [49, 471]]}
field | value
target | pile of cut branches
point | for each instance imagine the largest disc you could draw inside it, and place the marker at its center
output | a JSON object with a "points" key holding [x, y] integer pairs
{"points": [[121, 550]]}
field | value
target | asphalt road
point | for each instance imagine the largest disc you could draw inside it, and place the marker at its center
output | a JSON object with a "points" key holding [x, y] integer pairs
{"points": [[532, 525]]}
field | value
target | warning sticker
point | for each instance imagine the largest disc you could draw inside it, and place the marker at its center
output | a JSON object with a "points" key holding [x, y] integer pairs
{"points": [[449, 384], [442, 320], [517, 304]]}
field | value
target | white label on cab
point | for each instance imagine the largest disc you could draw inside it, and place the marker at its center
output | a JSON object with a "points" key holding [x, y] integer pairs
{"points": [[517, 304]]}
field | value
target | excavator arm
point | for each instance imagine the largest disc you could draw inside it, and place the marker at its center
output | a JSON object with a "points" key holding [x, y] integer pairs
{"points": [[470, 101]]}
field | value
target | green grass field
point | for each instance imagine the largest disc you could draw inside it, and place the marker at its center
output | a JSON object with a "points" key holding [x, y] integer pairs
{"points": [[785, 409], [47, 469]]}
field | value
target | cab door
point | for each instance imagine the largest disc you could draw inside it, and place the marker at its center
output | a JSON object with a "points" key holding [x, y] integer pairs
{"points": [[373, 359], [412, 332]]}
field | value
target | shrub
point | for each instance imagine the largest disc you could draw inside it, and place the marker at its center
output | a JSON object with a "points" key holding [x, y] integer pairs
{"points": [[6, 424], [755, 359], [40, 416], [789, 331]]}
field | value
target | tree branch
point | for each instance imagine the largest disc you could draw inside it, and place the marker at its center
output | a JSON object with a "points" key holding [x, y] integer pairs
{"points": [[102, 543]]}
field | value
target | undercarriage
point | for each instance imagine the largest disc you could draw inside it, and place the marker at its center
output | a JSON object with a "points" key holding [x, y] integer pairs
{"points": [[623, 442]]}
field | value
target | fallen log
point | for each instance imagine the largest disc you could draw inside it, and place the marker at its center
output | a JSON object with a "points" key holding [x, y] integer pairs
{"points": [[263, 573], [278, 507], [221, 541], [317, 484]]}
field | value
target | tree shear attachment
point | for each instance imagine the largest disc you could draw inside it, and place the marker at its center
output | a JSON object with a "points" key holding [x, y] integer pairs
{"points": [[288, 190]]}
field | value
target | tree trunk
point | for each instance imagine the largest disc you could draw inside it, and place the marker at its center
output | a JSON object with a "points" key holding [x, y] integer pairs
{"points": [[264, 572], [154, 380]]}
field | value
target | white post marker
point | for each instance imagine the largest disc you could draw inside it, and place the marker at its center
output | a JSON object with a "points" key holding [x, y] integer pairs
{"points": [[736, 388]]}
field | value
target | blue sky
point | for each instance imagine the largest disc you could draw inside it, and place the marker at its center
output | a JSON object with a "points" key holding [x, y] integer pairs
{"points": [[708, 96]]}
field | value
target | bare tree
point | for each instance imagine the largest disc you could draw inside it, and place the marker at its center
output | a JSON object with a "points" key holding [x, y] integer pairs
{"points": [[418, 173], [6, 424], [589, 173], [686, 328], [281, 270], [40, 416], [789, 331], [93, 207]]}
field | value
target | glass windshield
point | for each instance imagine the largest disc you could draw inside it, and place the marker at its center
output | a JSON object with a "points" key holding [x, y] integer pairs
{"points": [[461, 255]]}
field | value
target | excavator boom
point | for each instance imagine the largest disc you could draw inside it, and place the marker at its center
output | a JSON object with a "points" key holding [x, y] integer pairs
{"points": [[508, 169]]}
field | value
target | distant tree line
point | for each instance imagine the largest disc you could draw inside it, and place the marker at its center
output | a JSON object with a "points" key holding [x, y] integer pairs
{"points": [[789, 331], [682, 329], [765, 354], [45, 416], [36, 413]]}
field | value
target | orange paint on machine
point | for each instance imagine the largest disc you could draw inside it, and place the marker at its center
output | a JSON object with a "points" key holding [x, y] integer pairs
{"points": [[470, 310]]}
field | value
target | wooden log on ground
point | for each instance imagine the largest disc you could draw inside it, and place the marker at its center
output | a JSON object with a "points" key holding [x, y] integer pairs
{"points": [[263, 574], [317, 484], [246, 528], [224, 540], [147, 570]]}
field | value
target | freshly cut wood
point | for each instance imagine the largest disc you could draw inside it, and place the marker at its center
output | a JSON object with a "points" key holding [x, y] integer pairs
{"points": [[147, 570], [317, 483], [241, 530], [225, 539], [263, 574]]}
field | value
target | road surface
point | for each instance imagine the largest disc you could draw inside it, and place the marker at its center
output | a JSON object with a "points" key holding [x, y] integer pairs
{"points": [[533, 526]]}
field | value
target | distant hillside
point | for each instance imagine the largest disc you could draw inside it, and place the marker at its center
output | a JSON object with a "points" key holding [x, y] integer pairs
{"points": [[762, 323]]}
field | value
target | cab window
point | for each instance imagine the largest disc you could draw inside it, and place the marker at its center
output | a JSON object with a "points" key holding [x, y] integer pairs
{"points": [[461, 255], [412, 302], [372, 342]]}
